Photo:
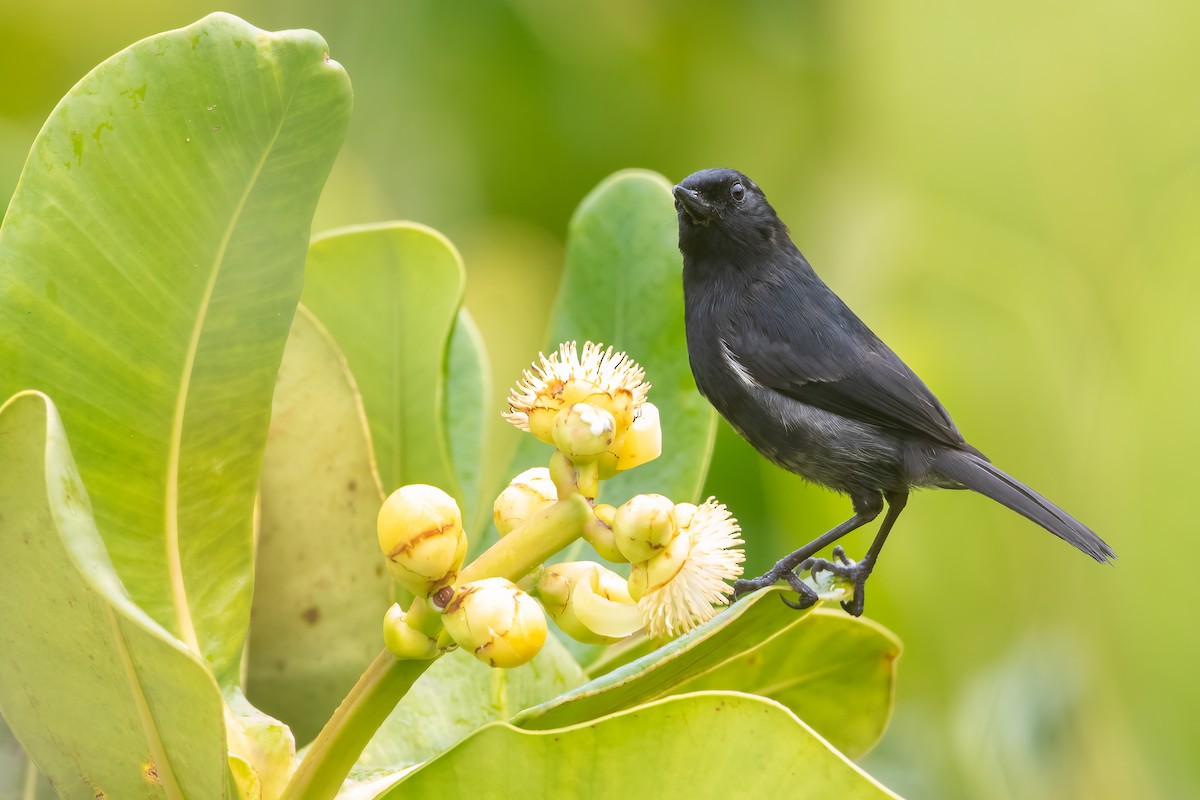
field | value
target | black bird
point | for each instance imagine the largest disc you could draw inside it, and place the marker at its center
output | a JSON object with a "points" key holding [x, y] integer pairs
{"points": [[801, 378]]}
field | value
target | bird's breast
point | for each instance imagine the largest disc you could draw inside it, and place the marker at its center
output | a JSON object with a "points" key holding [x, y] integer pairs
{"points": [[822, 447]]}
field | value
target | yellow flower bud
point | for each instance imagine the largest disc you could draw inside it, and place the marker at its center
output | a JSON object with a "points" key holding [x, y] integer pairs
{"points": [[642, 443], [584, 431], [599, 534], [541, 422], [404, 641], [605, 513], [588, 602], [496, 622], [527, 494], [684, 512], [606, 463], [643, 526], [647, 576], [420, 531]]}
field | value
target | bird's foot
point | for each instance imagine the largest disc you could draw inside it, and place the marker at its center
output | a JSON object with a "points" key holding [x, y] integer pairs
{"points": [[855, 572], [808, 595]]}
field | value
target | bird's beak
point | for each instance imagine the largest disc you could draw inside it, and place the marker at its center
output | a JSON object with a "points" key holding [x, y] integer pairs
{"points": [[690, 202]]}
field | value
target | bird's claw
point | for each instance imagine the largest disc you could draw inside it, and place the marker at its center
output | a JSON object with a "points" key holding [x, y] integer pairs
{"points": [[855, 572], [807, 595]]}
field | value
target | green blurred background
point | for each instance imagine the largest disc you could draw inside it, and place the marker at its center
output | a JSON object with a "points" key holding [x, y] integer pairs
{"points": [[1007, 192]]}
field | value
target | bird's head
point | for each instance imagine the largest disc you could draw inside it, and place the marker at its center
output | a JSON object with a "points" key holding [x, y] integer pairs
{"points": [[722, 209]]}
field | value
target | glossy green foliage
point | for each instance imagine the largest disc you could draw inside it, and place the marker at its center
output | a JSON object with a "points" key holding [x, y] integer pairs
{"points": [[835, 672], [78, 650], [390, 295], [458, 695], [694, 746], [150, 263], [321, 588]]}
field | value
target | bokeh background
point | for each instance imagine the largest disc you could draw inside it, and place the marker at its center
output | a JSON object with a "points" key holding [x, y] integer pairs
{"points": [[1008, 192]]}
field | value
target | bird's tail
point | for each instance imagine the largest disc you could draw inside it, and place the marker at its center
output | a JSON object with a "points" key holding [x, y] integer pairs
{"points": [[979, 475]]}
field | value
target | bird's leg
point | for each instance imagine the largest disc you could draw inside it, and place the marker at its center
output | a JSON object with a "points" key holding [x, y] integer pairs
{"points": [[859, 572], [866, 508]]}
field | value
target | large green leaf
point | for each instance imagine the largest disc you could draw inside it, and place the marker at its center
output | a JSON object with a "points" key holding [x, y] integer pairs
{"points": [[695, 746], [457, 695], [390, 296], [623, 286], [150, 264], [834, 671], [468, 388], [19, 778], [758, 645], [320, 585], [106, 701]]}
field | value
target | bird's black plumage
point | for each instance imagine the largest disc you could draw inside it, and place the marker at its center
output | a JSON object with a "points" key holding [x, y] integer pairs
{"points": [[801, 378]]}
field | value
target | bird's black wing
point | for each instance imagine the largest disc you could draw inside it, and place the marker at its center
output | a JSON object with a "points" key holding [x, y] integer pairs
{"points": [[827, 358]]}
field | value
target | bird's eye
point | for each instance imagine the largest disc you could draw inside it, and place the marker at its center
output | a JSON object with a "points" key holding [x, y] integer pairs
{"points": [[737, 192]]}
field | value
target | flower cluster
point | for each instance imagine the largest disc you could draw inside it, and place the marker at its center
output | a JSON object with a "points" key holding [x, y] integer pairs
{"points": [[591, 405]]}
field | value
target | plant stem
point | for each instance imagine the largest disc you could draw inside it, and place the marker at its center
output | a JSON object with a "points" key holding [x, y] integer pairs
{"points": [[515, 555], [356, 720]]}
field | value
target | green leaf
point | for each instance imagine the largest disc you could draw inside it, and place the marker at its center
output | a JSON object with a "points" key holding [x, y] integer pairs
{"points": [[261, 748], [459, 694], [19, 778], [321, 588], [834, 671], [747, 648], [150, 264], [389, 294], [623, 286], [468, 387], [695, 746], [106, 702]]}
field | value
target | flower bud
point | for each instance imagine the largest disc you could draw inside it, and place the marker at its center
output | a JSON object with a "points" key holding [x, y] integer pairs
{"points": [[643, 526], [588, 602], [527, 494], [599, 534], [642, 443], [646, 576], [541, 422], [420, 532], [404, 641], [496, 622], [684, 512], [584, 431]]}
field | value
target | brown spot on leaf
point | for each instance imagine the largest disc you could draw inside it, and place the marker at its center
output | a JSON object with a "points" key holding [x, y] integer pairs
{"points": [[150, 773], [352, 486], [311, 615]]}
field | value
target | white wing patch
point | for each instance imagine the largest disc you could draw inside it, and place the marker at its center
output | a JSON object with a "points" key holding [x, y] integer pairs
{"points": [[744, 376]]}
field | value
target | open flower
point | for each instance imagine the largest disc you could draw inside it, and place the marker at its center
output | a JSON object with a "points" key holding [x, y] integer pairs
{"points": [[589, 602], [601, 395], [679, 589]]}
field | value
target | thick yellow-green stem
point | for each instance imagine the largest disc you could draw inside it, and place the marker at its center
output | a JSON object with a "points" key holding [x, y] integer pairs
{"points": [[518, 553], [343, 738]]}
